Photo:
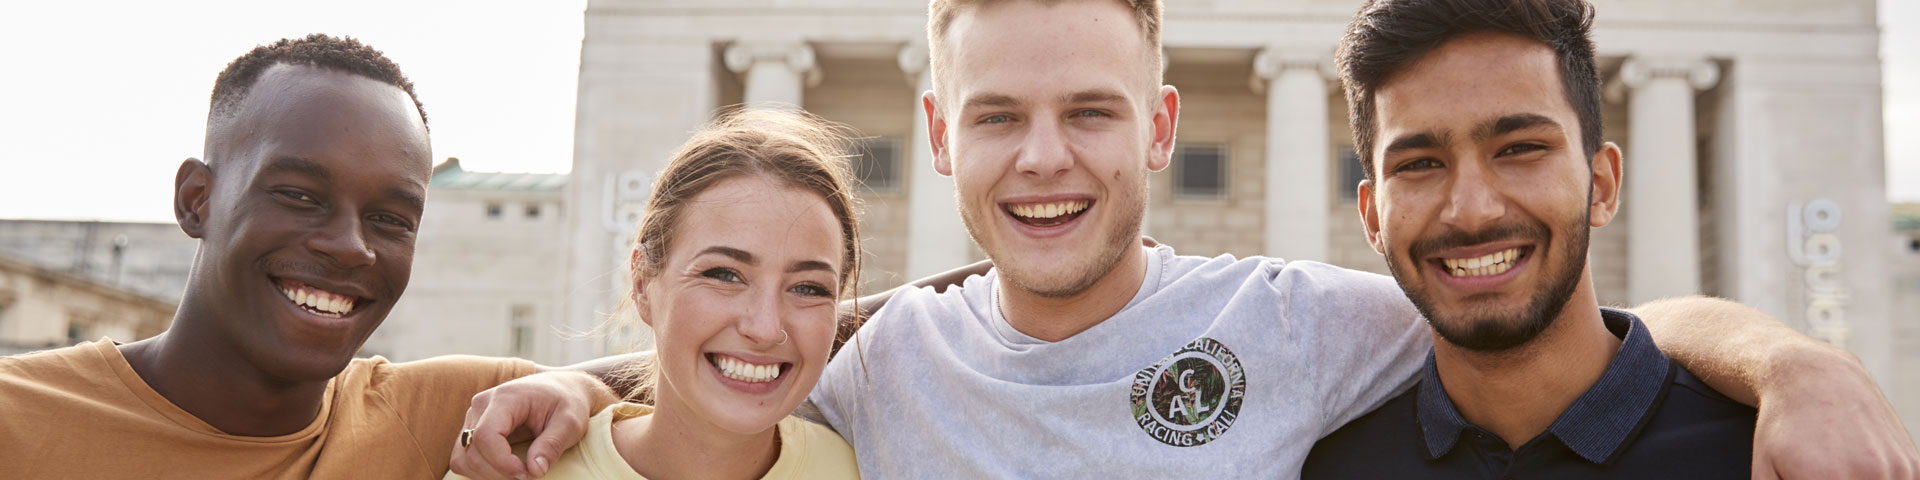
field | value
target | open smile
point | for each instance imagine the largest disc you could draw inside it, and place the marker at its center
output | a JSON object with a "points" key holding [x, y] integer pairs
{"points": [[1047, 214], [1479, 268], [748, 376], [318, 302]]}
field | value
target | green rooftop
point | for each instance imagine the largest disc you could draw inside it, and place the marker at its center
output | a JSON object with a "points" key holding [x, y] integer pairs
{"points": [[449, 175]]}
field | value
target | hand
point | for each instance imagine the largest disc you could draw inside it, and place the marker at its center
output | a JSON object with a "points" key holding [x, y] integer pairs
{"points": [[552, 406], [1826, 419]]}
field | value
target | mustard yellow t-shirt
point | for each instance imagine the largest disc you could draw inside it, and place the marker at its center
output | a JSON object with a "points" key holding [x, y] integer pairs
{"points": [[807, 451], [82, 412]]}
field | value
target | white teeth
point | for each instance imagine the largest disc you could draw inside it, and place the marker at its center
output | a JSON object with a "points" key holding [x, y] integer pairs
{"points": [[1048, 210], [1490, 264], [324, 303], [738, 369]]}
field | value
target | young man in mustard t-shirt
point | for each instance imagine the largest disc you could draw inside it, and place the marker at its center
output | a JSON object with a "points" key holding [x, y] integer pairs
{"points": [[316, 170]]}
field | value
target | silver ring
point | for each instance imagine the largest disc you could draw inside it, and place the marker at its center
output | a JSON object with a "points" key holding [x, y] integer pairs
{"points": [[783, 337]]}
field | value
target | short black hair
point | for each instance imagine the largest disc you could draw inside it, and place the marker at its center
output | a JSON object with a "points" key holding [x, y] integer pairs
{"points": [[318, 50], [1387, 35]]}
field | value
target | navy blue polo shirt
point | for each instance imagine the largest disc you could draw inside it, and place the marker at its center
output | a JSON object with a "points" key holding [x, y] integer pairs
{"points": [[1645, 418]]}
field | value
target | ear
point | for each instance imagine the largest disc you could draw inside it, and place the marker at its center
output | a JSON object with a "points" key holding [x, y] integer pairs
{"points": [[192, 189], [641, 306], [1166, 117], [936, 134], [1370, 217], [1604, 201]]}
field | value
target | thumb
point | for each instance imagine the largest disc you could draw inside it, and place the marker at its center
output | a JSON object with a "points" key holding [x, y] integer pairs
{"points": [[561, 432]]}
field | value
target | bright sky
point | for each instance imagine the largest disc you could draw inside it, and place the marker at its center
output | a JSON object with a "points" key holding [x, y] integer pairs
{"points": [[101, 100]]}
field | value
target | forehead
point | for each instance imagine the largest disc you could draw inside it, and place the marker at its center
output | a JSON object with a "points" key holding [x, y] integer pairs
{"points": [[763, 216], [328, 117], [1030, 49], [1472, 78]]}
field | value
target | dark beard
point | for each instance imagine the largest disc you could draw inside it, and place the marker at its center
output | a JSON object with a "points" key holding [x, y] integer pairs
{"points": [[1498, 331]]}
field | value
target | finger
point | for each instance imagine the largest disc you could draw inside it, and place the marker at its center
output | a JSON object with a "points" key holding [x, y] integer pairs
{"points": [[490, 441], [562, 431], [1763, 467]]}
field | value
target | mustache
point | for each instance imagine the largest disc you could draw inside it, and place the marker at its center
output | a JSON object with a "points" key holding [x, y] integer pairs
{"points": [[1455, 238]]}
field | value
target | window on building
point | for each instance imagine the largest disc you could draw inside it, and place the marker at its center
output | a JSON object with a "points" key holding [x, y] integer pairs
{"points": [[494, 211], [878, 164], [521, 320], [1200, 171], [1350, 175], [533, 210]]}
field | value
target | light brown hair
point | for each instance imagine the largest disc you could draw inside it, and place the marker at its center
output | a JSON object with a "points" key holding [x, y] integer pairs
{"points": [[940, 15], [793, 148]]}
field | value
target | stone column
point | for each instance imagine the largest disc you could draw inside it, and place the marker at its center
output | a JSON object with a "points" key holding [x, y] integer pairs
{"points": [[1663, 246], [1298, 199], [775, 73], [936, 240]]}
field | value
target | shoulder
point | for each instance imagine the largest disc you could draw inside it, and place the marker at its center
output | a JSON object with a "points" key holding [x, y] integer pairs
{"points": [[822, 453], [54, 362], [1690, 399], [1391, 432], [442, 371]]}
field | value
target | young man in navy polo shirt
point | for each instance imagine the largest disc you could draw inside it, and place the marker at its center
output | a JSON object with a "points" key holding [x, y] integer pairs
{"points": [[1480, 123]]}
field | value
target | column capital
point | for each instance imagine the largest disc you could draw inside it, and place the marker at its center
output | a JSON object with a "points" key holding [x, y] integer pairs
{"points": [[1698, 72], [1273, 61], [797, 55], [913, 60]]}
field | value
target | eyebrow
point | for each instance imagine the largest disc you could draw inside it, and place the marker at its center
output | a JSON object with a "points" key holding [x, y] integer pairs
{"points": [[746, 257], [990, 100], [298, 165], [411, 199], [1095, 96], [1427, 139], [1512, 123]]}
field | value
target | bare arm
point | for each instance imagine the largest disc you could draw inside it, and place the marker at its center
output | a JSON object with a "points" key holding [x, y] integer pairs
{"points": [[1821, 416]]}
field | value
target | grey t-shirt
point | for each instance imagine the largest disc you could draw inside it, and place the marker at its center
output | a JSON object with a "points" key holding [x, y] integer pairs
{"points": [[1217, 367]]}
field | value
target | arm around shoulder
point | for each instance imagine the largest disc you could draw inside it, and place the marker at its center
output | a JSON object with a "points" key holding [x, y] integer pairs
{"points": [[1821, 415]]}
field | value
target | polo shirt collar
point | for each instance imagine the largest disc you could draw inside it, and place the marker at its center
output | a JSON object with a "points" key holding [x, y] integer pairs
{"points": [[1598, 424]]}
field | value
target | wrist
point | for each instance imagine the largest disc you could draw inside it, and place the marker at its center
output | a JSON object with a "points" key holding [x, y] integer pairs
{"points": [[1805, 367]]}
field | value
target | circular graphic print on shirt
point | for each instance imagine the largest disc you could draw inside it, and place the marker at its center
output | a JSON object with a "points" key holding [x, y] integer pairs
{"points": [[1190, 397]]}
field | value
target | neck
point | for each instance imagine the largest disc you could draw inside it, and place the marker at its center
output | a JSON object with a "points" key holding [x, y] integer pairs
{"points": [[1518, 393], [1054, 319], [205, 375], [670, 444]]}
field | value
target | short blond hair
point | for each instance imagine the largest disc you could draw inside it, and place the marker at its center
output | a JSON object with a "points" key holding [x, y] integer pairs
{"points": [[940, 15]]}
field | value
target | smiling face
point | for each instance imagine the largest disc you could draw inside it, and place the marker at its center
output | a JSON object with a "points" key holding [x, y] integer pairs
{"points": [[307, 218], [744, 308], [1484, 197], [1051, 126]]}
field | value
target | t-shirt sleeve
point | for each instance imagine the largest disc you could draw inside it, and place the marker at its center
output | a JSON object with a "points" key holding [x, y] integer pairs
{"points": [[431, 396], [1367, 341]]}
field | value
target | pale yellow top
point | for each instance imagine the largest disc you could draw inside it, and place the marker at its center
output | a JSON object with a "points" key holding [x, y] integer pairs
{"points": [[807, 451]]}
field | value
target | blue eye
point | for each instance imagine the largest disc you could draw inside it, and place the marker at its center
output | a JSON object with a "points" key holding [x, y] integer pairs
{"points": [[996, 119], [722, 274], [811, 290], [1091, 114]]}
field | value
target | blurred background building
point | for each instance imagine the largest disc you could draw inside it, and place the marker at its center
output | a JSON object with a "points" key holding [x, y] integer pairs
{"points": [[1752, 130]]}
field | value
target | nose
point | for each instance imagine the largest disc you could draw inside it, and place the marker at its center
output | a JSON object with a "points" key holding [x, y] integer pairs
{"points": [[1473, 200], [341, 242], [1044, 154], [760, 323]]}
